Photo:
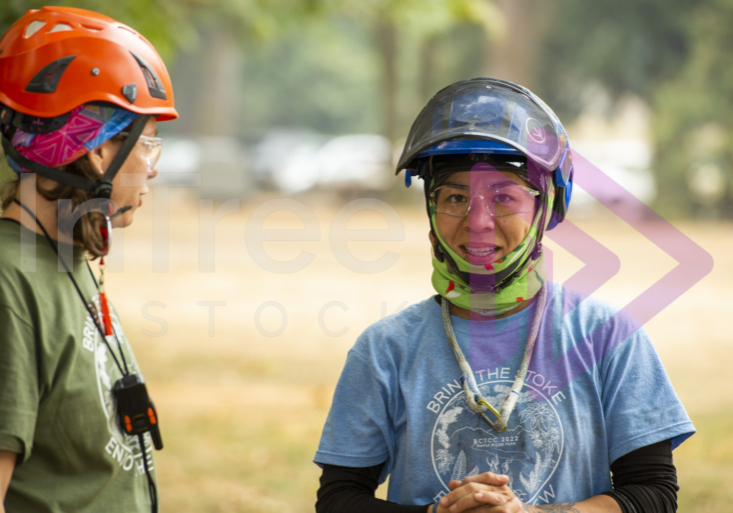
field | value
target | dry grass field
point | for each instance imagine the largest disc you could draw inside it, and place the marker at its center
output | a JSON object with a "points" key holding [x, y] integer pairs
{"points": [[242, 405]]}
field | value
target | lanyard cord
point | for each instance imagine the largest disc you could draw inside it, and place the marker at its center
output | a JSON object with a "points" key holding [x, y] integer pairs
{"points": [[476, 401], [152, 490], [124, 372], [112, 326]]}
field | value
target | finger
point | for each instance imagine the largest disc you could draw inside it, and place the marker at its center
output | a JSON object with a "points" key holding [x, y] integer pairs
{"points": [[449, 499], [488, 478], [512, 505], [464, 489], [453, 485], [469, 501], [491, 498]]}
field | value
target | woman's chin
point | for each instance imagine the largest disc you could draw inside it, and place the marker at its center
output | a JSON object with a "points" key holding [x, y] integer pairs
{"points": [[124, 220], [481, 261], [127, 218]]}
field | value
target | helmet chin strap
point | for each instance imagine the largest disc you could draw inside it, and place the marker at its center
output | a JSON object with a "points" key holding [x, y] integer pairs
{"points": [[121, 211], [103, 189], [492, 283]]}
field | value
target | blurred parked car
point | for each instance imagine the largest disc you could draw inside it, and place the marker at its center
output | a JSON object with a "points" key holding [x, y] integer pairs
{"points": [[217, 166], [295, 161], [356, 161], [627, 163], [284, 159]]}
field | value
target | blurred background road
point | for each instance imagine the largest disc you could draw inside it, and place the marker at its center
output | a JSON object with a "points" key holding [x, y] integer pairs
{"points": [[292, 110]]}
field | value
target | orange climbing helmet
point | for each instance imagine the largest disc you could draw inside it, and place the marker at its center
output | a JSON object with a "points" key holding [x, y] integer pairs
{"points": [[58, 67], [56, 58]]}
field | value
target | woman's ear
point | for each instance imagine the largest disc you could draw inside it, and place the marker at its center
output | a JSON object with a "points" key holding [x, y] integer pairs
{"points": [[96, 158], [437, 251], [433, 238], [101, 156]]}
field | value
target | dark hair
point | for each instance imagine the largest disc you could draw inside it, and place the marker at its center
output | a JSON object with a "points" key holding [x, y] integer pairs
{"points": [[87, 229]]}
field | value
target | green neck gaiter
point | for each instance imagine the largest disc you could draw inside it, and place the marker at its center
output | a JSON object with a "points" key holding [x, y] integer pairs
{"points": [[527, 280]]}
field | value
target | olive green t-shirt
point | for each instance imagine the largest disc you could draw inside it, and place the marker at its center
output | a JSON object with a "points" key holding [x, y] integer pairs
{"points": [[56, 379]]}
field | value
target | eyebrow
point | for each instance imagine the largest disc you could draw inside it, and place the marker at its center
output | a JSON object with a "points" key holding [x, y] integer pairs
{"points": [[466, 186]]}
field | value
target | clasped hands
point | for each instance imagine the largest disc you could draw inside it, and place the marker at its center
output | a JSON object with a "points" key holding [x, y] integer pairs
{"points": [[484, 493]]}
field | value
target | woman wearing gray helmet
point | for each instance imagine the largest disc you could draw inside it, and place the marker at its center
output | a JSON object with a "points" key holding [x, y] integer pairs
{"points": [[505, 392]]}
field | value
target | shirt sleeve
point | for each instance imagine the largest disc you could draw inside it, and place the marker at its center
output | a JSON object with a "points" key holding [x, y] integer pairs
{"points": [[358, 431], [18, 384], [639, 401], [349, 489], [646, 480]]}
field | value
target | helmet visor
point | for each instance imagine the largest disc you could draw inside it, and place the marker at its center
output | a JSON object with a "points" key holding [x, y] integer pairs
{"points": [[488, 109]]}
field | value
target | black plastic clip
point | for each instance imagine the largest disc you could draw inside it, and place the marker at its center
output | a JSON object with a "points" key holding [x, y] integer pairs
{"points": [[103, 190]]}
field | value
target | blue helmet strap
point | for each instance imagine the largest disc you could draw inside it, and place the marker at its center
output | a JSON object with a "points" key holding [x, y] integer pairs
{"points": [[562, 199]]}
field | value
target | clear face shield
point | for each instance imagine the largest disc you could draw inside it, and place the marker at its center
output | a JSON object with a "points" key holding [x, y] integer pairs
{"points": [[493, 110]]}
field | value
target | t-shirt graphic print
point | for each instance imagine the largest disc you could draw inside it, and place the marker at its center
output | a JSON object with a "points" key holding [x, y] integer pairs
{"points": [[529, 451]]}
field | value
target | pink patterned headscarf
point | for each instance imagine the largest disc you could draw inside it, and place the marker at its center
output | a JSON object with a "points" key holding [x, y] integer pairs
{"points": [[87, 128]]}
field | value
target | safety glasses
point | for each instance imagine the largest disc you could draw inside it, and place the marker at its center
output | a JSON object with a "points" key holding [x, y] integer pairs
{"points": [[499, 201], [153, 146]]}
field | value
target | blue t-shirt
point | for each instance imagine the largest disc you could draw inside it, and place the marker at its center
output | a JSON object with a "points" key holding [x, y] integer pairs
{"points": [[595, 390]]}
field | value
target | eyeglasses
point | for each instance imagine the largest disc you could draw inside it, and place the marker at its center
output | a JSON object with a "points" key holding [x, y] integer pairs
{"points": [[154, 146], [500, 200]]}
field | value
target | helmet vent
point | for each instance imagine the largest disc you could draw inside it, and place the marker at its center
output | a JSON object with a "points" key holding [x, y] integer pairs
{"points": [[48, 78], [61, 27], [155, 86], [92, 29], [128, 29], [33, 27]]}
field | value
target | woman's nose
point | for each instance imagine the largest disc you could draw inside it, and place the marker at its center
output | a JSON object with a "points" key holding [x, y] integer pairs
{"points": [[152, 173], [480, 214]]}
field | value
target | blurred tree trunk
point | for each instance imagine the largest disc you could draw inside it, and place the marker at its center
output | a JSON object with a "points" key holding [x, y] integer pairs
{"points": [[219, 109], [386, 34], [208, 86], [513, 55], [427, 69]]}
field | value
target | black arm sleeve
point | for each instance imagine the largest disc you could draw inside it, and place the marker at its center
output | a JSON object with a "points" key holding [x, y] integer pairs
{"points": [[645, 480], [351, 490]]}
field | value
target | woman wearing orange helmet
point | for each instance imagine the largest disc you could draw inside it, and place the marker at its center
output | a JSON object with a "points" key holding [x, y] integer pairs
{"points": [[80, 96]]}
